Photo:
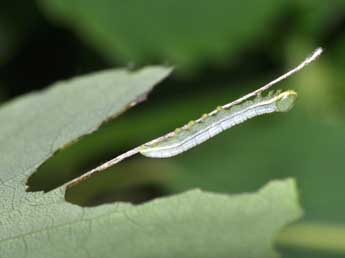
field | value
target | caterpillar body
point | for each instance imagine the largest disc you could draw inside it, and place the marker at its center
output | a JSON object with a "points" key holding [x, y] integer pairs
{"points": [[215, 122]]}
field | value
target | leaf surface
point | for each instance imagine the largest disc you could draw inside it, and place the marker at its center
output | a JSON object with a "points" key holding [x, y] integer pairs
{"points": [[191, 224]]}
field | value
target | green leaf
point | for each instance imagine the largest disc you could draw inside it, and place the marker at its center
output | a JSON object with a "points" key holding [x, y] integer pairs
{"points": [[315, 236], [232, 226], [189, 34], [193, 224], [35, 126]]}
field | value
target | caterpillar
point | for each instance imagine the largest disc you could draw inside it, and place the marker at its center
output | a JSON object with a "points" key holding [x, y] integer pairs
{"points": [[209, 125]]}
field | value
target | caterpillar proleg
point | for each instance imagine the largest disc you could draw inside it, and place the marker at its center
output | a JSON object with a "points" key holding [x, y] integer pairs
{"points": [[213, 123]]}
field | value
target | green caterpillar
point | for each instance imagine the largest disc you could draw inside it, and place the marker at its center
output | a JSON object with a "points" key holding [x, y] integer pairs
{"points": [[209, 125]]}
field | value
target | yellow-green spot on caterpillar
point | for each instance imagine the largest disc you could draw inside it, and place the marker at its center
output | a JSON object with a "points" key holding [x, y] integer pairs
{"points": [[190, 124], [204, 116], [177, 130], [211, 124]]}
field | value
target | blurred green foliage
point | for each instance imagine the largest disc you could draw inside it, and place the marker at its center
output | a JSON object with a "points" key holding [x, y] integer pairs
{"points": [[221, 50], [187, 34], [16, 24]]}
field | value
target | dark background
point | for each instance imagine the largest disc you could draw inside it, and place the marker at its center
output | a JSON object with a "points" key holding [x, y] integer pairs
{"points": [[220, 50]]}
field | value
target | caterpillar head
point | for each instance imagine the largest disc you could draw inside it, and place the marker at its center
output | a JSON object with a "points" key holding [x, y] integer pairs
{"points": [[286, 100]]}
